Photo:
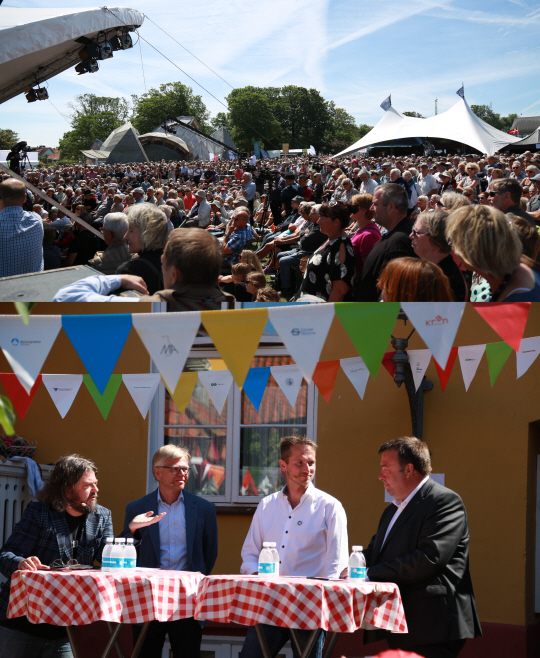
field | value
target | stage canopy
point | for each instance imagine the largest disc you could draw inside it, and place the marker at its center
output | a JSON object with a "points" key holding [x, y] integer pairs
{"points": [[37, 44], [529, 143], [459, 124]]}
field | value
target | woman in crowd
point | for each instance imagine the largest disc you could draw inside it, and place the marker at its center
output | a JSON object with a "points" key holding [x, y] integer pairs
{"points": [[146, 236], [429, 242], [251, 258], [487, 243], [451, 201], [470, 182], [344, 192], [331, 270], [412, 190], [412, 280], [366, 233]]}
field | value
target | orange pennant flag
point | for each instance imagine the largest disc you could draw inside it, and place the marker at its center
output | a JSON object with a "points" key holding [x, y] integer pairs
{"points": [[19, 397], [324, 377], [508, 320], [444, 375], [184, 390]]}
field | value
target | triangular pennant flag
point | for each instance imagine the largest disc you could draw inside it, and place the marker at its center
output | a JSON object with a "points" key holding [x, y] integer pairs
{"points": [[444, 373], [357, 372], [98, 340], [168, 338], [62, 389], [369, 326], [26, 346], [104, 400], [419, 361], [437, 323], [469, 359], [303, 331], [236, 335], [324, 377], [388, 363], [525, 357], [255, 385], [497, 355], [289, 380], [142, 388], [184, 390], [508, 320], [19, 397], [217, 384]]}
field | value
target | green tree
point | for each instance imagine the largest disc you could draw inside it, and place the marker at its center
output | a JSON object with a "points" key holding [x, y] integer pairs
{"points": [[343, 130], [171, 99], [494, 119], [8, 138], [414, 114], [94, 117], [221, 120], [252, 119]]}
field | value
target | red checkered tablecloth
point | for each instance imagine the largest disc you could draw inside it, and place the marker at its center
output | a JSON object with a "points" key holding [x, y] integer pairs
{"points": [[75, 598], [336, 606]]}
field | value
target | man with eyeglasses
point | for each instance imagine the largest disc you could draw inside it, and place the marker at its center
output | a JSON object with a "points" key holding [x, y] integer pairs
{"points": [[175, 531], [518, 173], [505, 195]]}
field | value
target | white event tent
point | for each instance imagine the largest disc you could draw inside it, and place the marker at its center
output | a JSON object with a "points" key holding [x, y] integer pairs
{"points": [[37, 44], [459, 123]]}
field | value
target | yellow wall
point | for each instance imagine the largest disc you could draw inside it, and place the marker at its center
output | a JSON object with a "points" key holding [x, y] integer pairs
{"points": [[478, 439]]}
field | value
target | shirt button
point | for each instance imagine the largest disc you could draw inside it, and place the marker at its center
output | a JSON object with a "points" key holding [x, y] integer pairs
{"points": [[283, 547], [286, 532]]}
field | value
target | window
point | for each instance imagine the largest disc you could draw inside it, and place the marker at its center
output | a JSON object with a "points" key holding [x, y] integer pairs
{"points": [[235, 454]]}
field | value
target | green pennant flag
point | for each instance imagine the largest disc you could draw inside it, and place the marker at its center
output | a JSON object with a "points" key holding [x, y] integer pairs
{"points": [[497, 355], [369, 325], [104, 402]]}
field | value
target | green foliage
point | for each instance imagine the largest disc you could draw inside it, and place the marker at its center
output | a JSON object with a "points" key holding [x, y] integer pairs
{"points": [[343, 130], [171, 99], [8, 138], [414, 114], [221, 120], [494, 119], [24, 309], [7, 415], [94, 117], [252, 119]]}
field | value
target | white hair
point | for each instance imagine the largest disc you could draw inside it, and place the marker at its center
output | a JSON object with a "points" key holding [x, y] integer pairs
{"points": [[116, 223]]}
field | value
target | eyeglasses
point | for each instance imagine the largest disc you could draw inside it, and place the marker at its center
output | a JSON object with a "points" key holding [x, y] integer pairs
{"points": [[493, 193], [470, 168], [176, 470], [416, 233], [58, 564]]}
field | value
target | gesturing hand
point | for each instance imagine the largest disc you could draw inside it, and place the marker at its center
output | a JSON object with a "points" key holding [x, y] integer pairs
{"points": [[143, 520], [31, 563]]}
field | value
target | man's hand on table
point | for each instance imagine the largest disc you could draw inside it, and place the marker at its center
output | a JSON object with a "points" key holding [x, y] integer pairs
{"points": [[32, 563], [143, 520]]}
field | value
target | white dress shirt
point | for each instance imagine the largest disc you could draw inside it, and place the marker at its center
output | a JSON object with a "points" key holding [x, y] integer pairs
{"points": [[172, 534], [311, 539], [401, 506]]}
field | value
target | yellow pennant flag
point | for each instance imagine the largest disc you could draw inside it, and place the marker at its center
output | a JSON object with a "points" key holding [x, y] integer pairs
{"points": [[184, 390], [236, 335]]}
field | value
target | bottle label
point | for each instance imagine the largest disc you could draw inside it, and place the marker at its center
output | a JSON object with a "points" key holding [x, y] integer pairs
{"points": [[105, 562], [116, 562], [267, 567], [130, 563], [358, 572]]}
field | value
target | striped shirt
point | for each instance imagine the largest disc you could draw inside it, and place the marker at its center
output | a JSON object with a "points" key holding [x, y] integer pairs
{"points": [[21, 241]]}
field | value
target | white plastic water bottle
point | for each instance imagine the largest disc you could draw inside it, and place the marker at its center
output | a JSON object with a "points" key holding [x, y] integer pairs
{"points": [[357, 565], [275, 555], [106, 555], [130, 555], [117, 555], [267, 566]]}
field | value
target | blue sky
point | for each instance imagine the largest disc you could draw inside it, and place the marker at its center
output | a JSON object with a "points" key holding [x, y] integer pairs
{"points": [[354, 52]]}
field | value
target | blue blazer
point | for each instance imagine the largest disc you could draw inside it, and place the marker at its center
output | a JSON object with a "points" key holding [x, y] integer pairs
{"points": [[201, 532]]}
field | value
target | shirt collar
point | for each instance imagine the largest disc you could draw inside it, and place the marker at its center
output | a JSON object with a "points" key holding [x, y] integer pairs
{"points": [[308, 493], [407, 500], [160, 499]]}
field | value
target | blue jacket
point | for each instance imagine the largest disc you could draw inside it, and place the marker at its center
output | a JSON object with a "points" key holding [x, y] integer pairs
{"points": [[44, 532], [201, 532]]}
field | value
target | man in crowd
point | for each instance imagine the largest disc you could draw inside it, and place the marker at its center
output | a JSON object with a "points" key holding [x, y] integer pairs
{"points": [[21, 232], [199, 215], [422, 545], [115, 226], [505, 195], [65, 524], [177, 532], [309, 528], [390, 205], [290, 190], [426, 182], [249, 190], [237, 235], [367, 184]]}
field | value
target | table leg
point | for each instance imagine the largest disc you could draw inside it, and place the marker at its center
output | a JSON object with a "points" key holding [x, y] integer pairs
{"points": [[118, 646], [71, 639], [137, 648], [331, 644], [262, 641], [112, 641], [309, 644]]}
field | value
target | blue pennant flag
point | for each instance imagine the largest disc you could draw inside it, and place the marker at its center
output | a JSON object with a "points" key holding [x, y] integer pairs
{"points": [[255, 385], [387, 103], [99, 341], [461, 91], [264, 154]]}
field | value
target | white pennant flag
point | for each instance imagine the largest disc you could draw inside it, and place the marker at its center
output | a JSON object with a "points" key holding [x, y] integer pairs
{"points": [[168, 337], [62, 389], [142, 388], [528, 351], [26, 346], [289, 380], [217, 384], [419, 361], [469, 360], [357, 372], [437, 323], [303, 330]]}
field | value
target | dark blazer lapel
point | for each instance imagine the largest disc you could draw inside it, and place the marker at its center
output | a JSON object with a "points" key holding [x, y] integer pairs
{"points": [[385, 522], [190, 507], [409, 509], [61, 530], [153, 530]]}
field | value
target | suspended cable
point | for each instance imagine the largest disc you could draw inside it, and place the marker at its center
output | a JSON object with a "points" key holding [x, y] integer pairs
{"points": [[142, 66], [60, 113]]}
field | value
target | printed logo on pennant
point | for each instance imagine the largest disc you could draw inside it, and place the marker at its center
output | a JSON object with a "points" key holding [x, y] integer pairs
{"points": [[168, 348], [217, 384], [63, 389], [436, 321]]}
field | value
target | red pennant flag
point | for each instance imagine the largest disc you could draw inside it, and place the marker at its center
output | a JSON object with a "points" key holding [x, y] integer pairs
{"points": [[19, 397], [324, 377], [508, 320], [389, 364], [444, 375]]}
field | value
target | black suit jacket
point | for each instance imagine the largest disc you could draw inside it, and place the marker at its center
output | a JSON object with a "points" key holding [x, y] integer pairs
{"points": [[426, 554]]}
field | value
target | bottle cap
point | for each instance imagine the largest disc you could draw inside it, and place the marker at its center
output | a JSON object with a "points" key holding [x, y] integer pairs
{"points": [[129, 540], [121, 540], [269, 544], [109, 540], [358, 548]]}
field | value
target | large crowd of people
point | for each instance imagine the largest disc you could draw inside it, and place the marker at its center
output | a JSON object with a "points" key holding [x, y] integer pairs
{"points": [[316, 228]]}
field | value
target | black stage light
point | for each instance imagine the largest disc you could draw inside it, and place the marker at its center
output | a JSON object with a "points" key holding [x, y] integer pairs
{"points": [[39, 94], [96, 50], [89, 66], [121, 42]]}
